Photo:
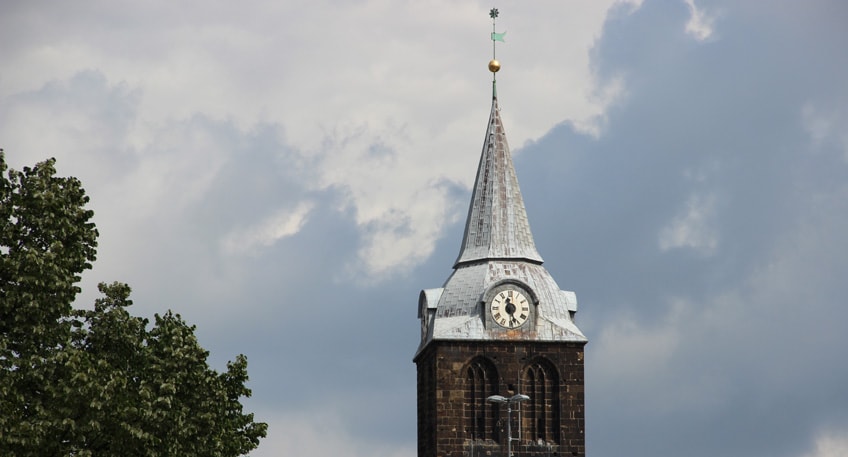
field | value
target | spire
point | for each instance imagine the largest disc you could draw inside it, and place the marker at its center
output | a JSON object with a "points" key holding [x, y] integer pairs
{"points": [[497, 226], [497, 253]]}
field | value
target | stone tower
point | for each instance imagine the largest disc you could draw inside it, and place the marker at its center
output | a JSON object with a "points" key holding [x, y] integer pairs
{"points": [[500, 325]]}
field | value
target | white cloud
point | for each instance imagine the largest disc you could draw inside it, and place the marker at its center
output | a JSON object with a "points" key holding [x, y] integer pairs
{"points": [[830, 444], [403, 239], [282, 224], [338, 79], [693, 228], [700, 24], [826, 126]]}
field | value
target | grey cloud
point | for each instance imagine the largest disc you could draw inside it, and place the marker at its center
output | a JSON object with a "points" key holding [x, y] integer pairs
{"points": [[722, 118], [748, 335]]}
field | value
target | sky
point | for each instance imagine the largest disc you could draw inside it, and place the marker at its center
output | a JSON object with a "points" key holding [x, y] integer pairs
{"points": [[289, 175]]}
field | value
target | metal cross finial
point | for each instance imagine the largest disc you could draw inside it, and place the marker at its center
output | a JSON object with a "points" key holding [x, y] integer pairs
{"points": [[493, 13]]}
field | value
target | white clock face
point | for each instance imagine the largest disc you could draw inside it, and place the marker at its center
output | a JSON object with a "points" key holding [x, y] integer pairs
{"points": [[510, 308]]}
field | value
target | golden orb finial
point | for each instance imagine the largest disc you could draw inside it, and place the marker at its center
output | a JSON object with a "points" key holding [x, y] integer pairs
{"points": [[494, 66]]}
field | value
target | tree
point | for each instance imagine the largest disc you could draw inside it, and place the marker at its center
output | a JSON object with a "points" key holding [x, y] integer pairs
{"points": [[46, 241], [97, 382]]}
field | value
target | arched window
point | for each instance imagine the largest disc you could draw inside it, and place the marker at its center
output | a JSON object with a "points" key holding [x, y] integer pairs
{"points": [[541, 412], [481, 381]]}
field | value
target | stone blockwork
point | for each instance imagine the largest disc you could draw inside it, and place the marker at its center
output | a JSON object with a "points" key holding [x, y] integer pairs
{"points": [[454, 420]]}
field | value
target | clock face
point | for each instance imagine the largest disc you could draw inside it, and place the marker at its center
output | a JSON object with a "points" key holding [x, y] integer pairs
{"points": [[510, 308]]}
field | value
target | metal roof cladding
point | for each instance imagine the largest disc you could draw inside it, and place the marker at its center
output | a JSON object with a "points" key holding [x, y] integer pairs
{"points": [[497, 248]]}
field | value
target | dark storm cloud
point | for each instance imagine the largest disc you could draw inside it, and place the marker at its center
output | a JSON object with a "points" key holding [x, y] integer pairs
{"points": [[703, 229], [753, 364], [737, 326]]}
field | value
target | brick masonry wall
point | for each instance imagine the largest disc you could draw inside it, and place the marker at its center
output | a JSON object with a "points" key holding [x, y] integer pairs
{"points": [[443, 394]]}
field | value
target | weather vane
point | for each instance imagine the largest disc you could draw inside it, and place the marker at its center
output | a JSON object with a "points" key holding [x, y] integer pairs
{"points": [[494, 65]]}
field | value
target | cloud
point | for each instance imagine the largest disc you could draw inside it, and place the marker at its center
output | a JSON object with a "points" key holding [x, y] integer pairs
{"points": [[827, 127], [700, 24], [701, 231], [338, 99], [321, 435], [692, 228], [691, 191], [831, 444], [280, 225], [631, 351]]}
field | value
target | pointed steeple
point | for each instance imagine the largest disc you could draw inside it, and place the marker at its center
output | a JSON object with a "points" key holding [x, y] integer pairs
{"points": [[498, 258], [500, 323], [497, 226]]}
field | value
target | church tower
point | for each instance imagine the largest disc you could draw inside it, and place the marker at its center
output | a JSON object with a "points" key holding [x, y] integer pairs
{"points": [[500, 363]]}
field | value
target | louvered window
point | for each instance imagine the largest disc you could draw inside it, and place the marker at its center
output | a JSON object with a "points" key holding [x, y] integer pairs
{"points": [[481, 382], [541, 412]]}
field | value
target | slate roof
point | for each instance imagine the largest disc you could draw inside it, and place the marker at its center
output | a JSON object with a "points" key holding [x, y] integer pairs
{"points": [[497, 226], [497, 248]]}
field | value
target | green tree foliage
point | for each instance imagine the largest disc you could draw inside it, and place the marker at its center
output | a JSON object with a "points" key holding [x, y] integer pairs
{"points": [[46, 239], [97, 382]]}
